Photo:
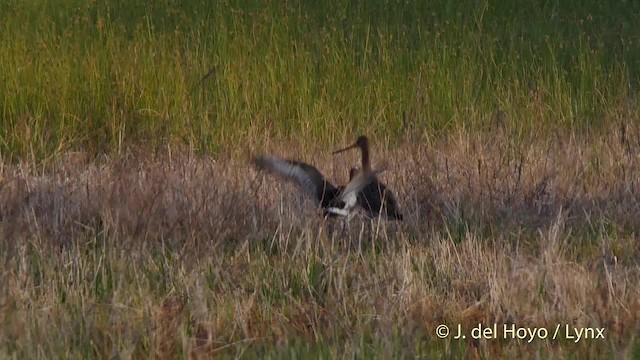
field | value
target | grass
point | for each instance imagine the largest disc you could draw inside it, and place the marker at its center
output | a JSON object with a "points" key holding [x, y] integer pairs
{"points": [[186, 256], [104, 76], [133, 226]]}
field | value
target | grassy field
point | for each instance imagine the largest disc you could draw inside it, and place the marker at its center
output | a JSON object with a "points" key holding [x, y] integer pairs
{"points": [[102, 76], [132, 224]]}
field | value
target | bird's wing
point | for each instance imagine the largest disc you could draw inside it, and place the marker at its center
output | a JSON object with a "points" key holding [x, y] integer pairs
{"points": [[304, 175], [350, 192]]}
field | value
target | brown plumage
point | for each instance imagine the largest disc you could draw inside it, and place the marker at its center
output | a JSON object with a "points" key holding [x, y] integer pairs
{"points": [[375, 198], [334, 200]]}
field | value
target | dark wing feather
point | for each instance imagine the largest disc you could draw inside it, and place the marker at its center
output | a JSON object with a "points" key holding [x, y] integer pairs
{"points": [[307, 177], [376, 197], [347, 197]]}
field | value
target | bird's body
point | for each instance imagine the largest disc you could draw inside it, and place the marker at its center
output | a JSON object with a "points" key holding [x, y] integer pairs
{"points": [[333, 200], [375, 198]]}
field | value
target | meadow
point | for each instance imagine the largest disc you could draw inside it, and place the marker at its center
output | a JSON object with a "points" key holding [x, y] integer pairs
{"points": [[132, 224]]}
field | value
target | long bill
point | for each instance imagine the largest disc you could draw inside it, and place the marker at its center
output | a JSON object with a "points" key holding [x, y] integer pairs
{"points": [[364, 148], [345, 149]]}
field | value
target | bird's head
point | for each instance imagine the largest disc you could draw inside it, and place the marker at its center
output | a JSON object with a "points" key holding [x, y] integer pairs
{"points": [[362, 142]]}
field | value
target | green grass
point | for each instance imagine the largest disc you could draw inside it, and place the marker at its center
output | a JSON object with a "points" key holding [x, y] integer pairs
{"points": [[104, 76]]}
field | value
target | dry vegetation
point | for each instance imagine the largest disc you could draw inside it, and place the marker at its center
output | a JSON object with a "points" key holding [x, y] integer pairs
{"points": [[186, 256]]}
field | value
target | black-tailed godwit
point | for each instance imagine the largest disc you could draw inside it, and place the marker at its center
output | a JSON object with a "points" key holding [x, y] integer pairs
{"points": [[334, 200], [375, 198]]}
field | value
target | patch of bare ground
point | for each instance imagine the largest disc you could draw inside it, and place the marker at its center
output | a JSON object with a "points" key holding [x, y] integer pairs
{"points": [[179, 255]]}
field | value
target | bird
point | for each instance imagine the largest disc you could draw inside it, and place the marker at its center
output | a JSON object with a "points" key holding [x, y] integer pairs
{"points": [[375, 198], [333, 200]]}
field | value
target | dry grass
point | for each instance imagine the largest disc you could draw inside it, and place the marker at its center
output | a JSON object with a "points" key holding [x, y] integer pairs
{"points": [[182, 256]]}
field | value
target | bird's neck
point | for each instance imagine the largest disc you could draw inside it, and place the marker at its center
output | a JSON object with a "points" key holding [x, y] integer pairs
{"points": [[366, 161]]}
